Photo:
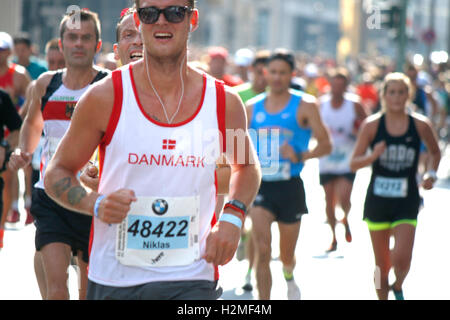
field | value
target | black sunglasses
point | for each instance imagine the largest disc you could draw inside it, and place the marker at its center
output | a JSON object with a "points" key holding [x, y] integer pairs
{"points": [[173, 14]]}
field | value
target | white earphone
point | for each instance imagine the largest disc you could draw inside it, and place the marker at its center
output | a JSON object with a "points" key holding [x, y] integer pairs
{"points": [[190, 27]]}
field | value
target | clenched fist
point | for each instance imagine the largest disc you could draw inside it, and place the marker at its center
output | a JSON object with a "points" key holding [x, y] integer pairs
{"points": [[19, 159], [115, 206]]}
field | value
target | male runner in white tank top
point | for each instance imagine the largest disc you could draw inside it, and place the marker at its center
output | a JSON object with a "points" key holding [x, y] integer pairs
{"points": [[58, 231], [152, 187], [342, 113]]}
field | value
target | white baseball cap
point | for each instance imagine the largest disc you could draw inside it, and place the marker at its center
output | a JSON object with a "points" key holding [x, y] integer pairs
{"points": [[311, 70], [6, 41], [244, 57]]}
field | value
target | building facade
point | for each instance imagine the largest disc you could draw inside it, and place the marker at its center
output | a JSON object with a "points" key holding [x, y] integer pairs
{"points": [[41, 18], [311, 26]]}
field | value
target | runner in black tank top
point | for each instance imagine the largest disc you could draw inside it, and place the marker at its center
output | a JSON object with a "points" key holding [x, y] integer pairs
{"points": [[393, 193], [392, 200]]}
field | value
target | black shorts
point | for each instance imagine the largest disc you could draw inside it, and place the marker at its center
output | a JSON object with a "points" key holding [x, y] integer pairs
{"points": [[328, 177], [57, 224], [285, 199], [35, 176], [391, 210]]}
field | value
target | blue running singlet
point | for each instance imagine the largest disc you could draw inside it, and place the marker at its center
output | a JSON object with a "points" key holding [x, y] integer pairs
{"points": [[270, 131]]}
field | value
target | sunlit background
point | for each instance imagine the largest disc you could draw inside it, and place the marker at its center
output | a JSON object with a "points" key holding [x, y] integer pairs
{"points": [[328, 28]]}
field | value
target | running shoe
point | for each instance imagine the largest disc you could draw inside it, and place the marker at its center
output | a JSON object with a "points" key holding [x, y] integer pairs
{"points": [[248, 282], [13, 216], [2, 233], [30, 218], [293, 292]]}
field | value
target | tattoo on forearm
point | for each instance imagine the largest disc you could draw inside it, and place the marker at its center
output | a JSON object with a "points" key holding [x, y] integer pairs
{"points": [[62, 186], [75, 195]]}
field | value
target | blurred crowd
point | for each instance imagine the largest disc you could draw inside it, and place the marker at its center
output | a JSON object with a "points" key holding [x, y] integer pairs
{"points": [[311, 75], [239, 69]]}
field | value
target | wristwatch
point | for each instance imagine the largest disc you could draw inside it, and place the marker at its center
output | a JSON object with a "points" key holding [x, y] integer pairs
{"points": [[4, 144], [237, 206]]}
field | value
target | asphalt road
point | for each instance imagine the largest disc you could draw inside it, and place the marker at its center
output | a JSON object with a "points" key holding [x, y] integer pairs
{"points": [[344, 274]]}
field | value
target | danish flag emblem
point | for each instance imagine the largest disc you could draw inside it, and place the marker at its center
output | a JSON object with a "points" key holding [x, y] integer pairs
{"points": [[169, 144]]}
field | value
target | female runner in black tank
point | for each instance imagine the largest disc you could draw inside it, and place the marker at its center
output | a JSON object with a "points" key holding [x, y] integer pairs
{"points": [[392, 200]]}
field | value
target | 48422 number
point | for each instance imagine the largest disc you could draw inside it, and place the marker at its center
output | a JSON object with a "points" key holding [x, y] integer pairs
{"points": [[166, 229]]}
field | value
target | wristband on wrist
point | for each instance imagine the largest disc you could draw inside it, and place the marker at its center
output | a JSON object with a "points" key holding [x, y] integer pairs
{"points": [[97, 205], [227, 217], [430, 174]]}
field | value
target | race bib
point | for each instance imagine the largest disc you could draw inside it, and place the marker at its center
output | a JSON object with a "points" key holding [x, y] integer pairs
{"points": [[338, 160], [390, 187], [160, 232]]}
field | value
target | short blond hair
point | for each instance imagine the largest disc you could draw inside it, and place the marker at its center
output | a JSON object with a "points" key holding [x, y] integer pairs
{"points": [[395, 77]]}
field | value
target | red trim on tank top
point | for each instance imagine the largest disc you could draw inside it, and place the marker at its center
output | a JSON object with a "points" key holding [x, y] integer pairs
{"points": [[221, 107], [214, 221], [91, 240], [117, 108], [161, 124]]}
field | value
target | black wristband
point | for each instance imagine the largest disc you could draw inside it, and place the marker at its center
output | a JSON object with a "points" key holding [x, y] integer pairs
{"points": [[236, 205]]}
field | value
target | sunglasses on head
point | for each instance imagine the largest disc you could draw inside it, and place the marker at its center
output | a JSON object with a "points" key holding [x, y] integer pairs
{"points": [[173, 14]]}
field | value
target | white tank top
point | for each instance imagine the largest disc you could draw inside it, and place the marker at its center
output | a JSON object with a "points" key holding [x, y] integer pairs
{"points": [[171, 169], [58, 105], [340, 122]]}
